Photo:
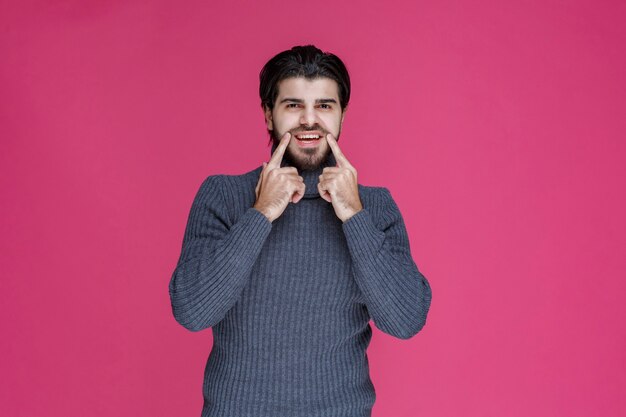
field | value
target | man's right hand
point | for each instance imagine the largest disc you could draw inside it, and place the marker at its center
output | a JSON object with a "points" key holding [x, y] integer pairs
{"points": [[278, 186]]}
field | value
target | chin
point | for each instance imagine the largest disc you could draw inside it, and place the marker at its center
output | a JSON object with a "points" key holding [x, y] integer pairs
{"points": [[313, 162], [305, 161]]}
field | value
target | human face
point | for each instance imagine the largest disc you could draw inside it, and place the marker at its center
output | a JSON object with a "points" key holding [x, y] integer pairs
{"points": [[306, 107]]}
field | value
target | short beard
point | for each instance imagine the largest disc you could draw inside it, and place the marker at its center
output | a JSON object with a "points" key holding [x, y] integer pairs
{"points": [[311, 159]]}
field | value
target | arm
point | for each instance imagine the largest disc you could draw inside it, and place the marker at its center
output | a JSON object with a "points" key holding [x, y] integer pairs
{"points": [[397, 295], [216, 258]]}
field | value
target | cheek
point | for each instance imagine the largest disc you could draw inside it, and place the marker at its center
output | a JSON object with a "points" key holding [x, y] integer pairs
{"points": [[286, 123], [332, 123]]}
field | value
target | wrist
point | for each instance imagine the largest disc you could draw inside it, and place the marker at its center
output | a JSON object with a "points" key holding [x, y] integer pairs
{"points": [[350, 215], [263, 212]]}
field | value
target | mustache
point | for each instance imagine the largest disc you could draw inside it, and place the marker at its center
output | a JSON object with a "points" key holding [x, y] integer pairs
{"points": [[311, 129]]}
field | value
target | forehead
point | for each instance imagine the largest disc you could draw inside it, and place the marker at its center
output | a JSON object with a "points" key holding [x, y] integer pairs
{"points": [[300, 87]]}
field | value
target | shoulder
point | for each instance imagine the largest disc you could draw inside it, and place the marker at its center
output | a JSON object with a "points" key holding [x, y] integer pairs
{"points": [[210, 187], [380, 204], [234, 191], [241, 182], [231, 181], [374, 195]]}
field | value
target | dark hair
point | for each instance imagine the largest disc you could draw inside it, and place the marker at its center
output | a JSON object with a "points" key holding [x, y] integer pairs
{"points": [[302, 61]]}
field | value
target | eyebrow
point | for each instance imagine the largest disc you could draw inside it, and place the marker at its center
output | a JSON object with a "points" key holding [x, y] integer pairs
{"points": [[318, 101]]}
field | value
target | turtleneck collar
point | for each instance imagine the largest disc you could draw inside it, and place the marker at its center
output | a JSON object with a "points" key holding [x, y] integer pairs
{"points": [[310, 176]]}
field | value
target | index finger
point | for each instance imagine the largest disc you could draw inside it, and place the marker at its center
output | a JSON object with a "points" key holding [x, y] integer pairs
{"points": [[339, 156], [277, 156]]}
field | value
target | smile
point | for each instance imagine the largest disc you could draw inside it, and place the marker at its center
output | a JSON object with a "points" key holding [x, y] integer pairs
{"points": [[308, 140]]}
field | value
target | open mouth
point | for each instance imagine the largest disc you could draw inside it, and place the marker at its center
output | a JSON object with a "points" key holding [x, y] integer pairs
{"points": [[308, 138]]}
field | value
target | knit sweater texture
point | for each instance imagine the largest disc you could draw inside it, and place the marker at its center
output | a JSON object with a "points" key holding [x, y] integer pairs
{"points": [[289, 301]]}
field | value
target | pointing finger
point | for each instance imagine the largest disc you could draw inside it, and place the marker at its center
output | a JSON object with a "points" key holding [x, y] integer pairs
{"points": [[280, 151], [339, 156]]}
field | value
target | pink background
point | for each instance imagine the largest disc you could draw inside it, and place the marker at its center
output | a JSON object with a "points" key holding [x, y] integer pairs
{"points": [[497, 126]]}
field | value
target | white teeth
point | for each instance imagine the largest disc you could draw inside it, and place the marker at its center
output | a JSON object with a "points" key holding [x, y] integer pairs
{"points": [[308, 137]]}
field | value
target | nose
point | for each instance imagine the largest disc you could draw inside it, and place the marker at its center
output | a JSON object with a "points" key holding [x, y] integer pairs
{"points": [[308, 117]]}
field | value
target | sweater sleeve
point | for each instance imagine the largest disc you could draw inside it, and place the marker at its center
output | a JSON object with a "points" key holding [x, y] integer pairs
{"points": [[216, 258], [396, 293]]}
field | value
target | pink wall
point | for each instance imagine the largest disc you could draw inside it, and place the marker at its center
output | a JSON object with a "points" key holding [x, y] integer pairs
{"points": [[497, 126]]}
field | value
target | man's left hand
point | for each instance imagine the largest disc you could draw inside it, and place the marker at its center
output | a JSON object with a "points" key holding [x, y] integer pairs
{"points": [[338, 185]]}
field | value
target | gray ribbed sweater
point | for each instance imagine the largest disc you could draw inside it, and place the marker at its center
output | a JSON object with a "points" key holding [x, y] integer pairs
{"points": [[289, 301]]}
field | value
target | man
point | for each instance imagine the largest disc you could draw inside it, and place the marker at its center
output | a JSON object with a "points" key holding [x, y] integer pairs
{"points": [[288, 263]]}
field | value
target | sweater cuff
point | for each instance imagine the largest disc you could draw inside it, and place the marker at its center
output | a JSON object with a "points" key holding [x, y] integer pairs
{"points": [[364, 239]]}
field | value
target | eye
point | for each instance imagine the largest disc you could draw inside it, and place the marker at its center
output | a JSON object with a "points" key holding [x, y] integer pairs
{"points": [[292, 105], [325, 106]]}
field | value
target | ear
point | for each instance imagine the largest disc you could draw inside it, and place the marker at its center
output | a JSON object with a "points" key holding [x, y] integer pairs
{"points": [[343, 114], [268, 118]]}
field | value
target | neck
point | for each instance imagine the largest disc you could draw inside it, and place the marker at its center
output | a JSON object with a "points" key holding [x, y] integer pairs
{"points": [[310, 176]]}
